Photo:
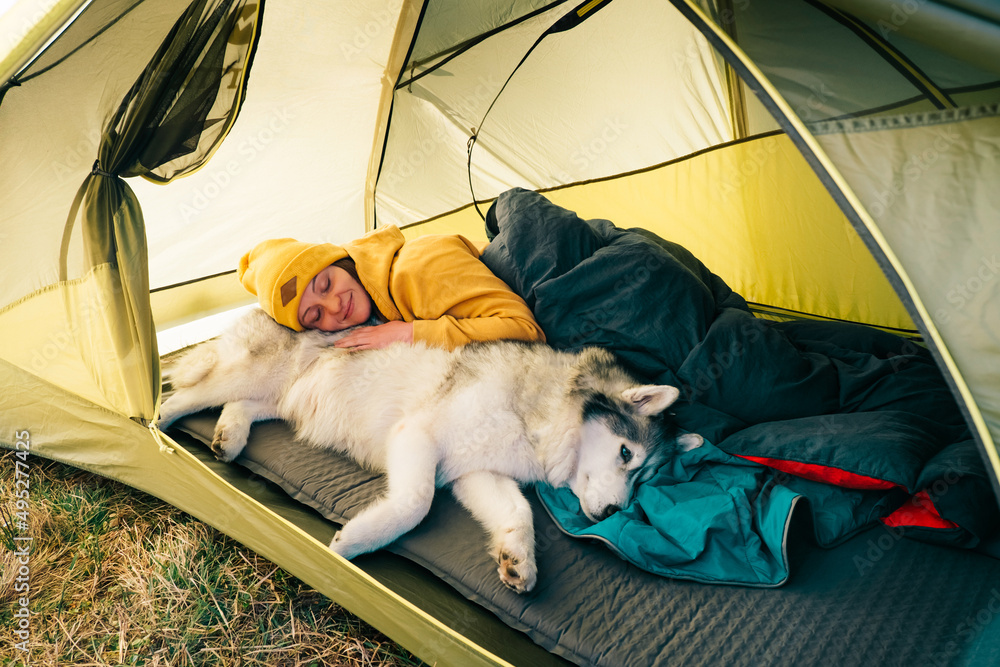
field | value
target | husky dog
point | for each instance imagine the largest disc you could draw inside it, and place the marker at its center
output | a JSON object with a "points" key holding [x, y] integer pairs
{"points": [[481, 418]]}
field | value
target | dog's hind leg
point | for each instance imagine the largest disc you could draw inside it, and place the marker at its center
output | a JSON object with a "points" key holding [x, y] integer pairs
{"points": [[411, 465], [233, 427], [498, 504], [193, 366]]}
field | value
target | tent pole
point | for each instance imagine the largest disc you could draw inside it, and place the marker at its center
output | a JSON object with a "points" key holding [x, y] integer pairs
{"points": [[38, 37], [737, 99], [978, 23], [406, 29]]}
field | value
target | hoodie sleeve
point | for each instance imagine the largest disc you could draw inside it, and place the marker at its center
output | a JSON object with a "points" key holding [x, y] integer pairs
{"points": [[452, 298]]}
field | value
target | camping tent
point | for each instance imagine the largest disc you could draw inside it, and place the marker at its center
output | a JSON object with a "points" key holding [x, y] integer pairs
{"points": [[831, 160]]}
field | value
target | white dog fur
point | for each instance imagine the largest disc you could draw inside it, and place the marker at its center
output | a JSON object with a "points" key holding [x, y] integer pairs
{"points": [[482, 418]]}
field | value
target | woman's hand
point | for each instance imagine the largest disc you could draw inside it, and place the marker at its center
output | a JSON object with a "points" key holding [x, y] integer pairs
{"points": [[380, 335]]}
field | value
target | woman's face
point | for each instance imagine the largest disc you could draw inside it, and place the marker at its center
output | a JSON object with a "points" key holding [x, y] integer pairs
{"points": [[334, 300]]}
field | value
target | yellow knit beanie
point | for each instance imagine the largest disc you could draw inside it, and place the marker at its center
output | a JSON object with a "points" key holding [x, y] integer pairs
{"points": [[279, 270]]}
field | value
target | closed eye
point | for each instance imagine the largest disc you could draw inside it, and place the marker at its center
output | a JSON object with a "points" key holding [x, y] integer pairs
{"points": [[312, 317], [626, 454], [319, 286]]}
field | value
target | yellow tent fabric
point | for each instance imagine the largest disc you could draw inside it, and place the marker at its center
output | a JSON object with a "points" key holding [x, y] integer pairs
{"points": [[859, 187]]}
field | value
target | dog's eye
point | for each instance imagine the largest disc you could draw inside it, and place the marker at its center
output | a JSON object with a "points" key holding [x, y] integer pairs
{"points": [[626, 454]]}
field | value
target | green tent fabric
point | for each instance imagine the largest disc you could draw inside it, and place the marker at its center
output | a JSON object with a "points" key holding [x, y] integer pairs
{"points": [[829, 160]]}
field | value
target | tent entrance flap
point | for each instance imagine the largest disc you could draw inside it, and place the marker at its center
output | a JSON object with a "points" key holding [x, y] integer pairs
{"points": [[167, 124]]}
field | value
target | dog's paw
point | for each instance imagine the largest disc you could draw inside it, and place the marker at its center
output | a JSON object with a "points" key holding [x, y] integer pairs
{"points": [[167, 414], [229, 440], [344, 547], [688, 441], [517, 568]]}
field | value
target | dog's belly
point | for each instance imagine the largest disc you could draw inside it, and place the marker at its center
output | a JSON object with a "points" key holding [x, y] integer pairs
{"points": [[495, 443], [484, 426], [464, 458], [474, 422], [353, 403]]}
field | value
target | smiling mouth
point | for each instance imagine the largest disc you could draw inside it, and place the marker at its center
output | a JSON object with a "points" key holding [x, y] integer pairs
{"points": [[350, 307]]}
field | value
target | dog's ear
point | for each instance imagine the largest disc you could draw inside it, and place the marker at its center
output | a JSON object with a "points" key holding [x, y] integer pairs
{"points": [[651, 399]]}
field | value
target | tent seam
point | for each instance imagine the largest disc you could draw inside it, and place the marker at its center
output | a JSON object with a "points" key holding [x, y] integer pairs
{"points": [[458, 49], [903, 121], [606, 179]]}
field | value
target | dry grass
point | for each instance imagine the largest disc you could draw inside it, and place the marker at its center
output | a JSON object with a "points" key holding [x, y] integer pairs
{"points": [[118, 577]]}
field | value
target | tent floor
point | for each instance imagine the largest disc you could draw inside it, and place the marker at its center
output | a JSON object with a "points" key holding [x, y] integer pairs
{"points": [[875, 599]]}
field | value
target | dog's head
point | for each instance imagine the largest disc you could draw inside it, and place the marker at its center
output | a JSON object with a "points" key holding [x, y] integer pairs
{"points": [[625, 435]]}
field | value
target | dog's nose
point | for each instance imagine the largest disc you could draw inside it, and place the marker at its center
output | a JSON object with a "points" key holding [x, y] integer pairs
{"points": [[609, 510]]}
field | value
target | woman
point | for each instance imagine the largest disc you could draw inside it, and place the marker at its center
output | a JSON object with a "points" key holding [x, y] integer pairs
{"points": [[432, 289]]}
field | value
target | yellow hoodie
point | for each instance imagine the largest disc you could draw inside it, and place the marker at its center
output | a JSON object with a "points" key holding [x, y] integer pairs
{"points": [[436, 282]]}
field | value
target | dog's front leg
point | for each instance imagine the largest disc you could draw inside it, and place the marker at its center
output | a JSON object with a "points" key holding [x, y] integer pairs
{"points": [[411, 465], [185, 402], [498, 504], [233, 427]]}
